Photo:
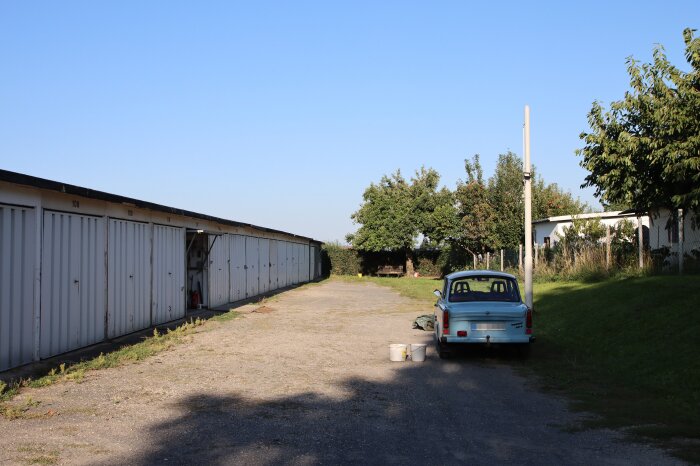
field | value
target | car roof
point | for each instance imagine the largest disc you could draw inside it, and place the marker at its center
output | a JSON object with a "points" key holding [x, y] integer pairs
{"points": [[478, 273]]}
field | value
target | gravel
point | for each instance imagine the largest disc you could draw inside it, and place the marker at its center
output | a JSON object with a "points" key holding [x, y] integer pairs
{"points": [[307, 380]]}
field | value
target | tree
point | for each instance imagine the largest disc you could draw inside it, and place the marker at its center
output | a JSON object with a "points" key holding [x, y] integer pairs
{"points": [[645, 150], [505, 190], [477, 226], [385, 217], [395, 212], [549, 200]]}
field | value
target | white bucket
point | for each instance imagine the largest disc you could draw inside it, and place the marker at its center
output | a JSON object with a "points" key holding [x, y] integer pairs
{"points": [[418, 352], [397, 352]]}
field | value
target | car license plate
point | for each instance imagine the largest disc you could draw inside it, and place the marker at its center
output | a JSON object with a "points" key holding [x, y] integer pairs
{"points": [[488, 326]]}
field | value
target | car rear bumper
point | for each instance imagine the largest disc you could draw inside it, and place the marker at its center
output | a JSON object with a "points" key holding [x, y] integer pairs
{"points": [[485, 340]]}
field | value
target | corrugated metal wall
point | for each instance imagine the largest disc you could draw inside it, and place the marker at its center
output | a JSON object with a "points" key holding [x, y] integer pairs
{"points": [[168, 274], [305, 262], [218, 270], [251, 262], [73, 282], [290, 264], [264, 256], [312, 262], [17, 258], [128, 277], [237, 267], [281, 264], [273, 265]]}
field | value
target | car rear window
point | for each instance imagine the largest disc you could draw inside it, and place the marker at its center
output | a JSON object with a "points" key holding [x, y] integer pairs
{"points": [[484, 288]]}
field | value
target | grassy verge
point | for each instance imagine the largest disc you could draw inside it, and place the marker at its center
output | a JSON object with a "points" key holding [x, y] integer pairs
{"points": [[416, 288], [628, 351], [625, 349], [150, 346]]}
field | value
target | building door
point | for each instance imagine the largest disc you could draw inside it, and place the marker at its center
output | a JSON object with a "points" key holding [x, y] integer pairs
{"points": [[18, 247], [251, 263], [237, 267], [73, 282], [218, 270], [168, 274], [128, 277]]}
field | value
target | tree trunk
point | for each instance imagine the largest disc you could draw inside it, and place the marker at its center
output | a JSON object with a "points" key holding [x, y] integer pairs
{"points": [[409, 264]]}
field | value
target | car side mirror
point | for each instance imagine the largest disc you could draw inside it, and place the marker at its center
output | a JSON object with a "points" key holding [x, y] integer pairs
{"points": [[437, 293]]}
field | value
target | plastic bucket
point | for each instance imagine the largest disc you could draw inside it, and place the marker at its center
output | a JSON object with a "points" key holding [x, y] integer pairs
{"points": [[397, 352], [418, 352]]}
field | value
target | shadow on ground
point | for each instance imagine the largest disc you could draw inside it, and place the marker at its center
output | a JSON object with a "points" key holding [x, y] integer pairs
{"points": [[437, 412]]}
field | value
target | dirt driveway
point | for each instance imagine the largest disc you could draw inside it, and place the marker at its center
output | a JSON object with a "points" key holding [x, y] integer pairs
{"points": [[308, 383]]}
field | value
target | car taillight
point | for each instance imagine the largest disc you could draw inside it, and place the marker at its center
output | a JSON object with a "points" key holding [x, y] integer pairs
{"points": [[445, 321], [528, 322]]}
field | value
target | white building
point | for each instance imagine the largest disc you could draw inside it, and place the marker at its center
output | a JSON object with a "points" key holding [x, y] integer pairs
{"points": [[663, 232], [549, 231], [79, 266]]}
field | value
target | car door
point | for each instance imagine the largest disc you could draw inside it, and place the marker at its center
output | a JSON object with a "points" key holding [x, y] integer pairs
{"points": [[440, 305]]}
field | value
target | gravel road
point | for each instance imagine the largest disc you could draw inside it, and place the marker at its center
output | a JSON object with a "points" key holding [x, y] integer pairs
{"points": [[309, 382]]}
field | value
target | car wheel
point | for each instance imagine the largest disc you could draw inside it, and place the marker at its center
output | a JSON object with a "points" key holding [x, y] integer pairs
{"points": [[442, 350]]}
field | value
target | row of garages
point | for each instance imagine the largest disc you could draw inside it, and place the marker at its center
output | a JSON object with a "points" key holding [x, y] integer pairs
{"points": [[78, 266]]}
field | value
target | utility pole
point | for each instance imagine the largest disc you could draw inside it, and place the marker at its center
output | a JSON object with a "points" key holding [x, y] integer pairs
{"points": [[528, 211]]}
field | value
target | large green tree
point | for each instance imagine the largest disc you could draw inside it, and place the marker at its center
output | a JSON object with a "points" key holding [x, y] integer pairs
{"points": [[645, 150], [477, 226], [395, 212], [505, 191]]}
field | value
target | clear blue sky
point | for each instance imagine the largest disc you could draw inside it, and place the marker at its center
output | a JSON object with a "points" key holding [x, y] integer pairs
{"points": [[281, 113]]}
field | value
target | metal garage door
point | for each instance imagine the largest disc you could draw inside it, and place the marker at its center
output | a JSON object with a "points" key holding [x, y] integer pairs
{"points": [[128, 277], [291, 280], [251, 263], [237, 267], [17, 257], [73, 282], [305, 262], [281, 264], [218, 270], [168, 274], [273, 265], [264, 265]]}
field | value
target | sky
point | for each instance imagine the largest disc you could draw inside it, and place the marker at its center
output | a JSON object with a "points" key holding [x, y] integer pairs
{"points": [[281, 113]]}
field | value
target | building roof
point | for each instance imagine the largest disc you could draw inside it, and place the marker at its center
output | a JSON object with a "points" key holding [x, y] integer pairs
{"points": [[41, 183], [601, 215]]}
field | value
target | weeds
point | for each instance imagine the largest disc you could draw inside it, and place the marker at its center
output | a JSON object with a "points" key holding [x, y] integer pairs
{"points": [[127, 354]]}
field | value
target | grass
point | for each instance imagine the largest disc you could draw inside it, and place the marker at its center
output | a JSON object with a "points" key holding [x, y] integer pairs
{"points": [[150, 346], [624, 349], [416, 288]]}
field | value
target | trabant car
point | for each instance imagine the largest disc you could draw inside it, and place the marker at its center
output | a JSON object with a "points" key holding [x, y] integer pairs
{"points": [[481, 307]]}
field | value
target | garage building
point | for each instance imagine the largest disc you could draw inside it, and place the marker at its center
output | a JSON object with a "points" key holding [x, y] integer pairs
{"points": [[79, 266]]}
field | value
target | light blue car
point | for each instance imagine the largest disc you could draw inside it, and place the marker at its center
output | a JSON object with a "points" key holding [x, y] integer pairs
{"points": [[481, 307]]}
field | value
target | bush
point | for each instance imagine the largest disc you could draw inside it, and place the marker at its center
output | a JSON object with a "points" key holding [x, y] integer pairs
{"points": [[340, 260]]}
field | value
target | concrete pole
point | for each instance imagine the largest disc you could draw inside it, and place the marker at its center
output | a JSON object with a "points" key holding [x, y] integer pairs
{"points": [[474, 257], [528, 212], [607, 247], [501, 260], [640, 229], [488, 260], [681, 249]]}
